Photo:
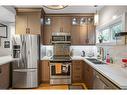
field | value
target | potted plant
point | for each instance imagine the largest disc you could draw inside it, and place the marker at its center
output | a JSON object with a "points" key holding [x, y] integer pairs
{"points": [[101, 38]]}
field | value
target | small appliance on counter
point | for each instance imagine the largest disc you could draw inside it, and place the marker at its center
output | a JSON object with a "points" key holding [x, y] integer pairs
{"points": [[83, 54]]}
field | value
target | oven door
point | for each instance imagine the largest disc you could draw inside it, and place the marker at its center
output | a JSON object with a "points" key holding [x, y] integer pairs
{"points": [[65, 70]]}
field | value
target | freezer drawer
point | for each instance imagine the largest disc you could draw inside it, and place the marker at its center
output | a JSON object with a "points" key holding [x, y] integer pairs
{"points": [[25, 78]]}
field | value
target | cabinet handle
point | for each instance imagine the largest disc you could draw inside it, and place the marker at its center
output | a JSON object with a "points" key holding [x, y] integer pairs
{"points": [[0, 70], [61, 29], [48, 64], [97, 76], [50, 41], [26, 30]]}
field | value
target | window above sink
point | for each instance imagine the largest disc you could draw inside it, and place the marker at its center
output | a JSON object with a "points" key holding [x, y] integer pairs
{"points": [[105, 34]]}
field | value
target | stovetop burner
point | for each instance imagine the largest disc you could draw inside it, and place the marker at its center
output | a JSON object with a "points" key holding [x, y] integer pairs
{"points": [[61, 58]]}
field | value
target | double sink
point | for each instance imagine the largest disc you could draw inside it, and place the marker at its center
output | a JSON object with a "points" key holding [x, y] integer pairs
{"points": [[95, 61]]}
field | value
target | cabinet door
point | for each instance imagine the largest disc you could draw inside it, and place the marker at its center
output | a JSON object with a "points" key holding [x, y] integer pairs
{"points": [[83, 34], [75, 35], [91, 34], [21, 23], [66, 24], [77, 71], [56, 24], [34, 23], [4, 76], [47, 35], [45, 71], [88, 76]]}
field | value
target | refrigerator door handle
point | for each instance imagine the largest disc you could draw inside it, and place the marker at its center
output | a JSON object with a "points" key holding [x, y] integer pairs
{"points": [[24, 70]]}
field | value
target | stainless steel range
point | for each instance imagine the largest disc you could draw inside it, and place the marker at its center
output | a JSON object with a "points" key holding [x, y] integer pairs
{"points": [[60, 74], [60, 64]]}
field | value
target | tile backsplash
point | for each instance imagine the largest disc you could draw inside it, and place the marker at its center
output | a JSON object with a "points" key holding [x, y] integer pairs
{"points": [[117, 52], [77, 50], [46, 50]]}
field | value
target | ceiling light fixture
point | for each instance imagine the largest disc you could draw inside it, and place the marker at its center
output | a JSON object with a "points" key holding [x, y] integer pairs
{"points": [[96, 16], [55, 7]]}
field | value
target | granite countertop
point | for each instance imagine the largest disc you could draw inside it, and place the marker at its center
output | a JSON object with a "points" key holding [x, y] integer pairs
{"points": [[6, 59], [114, 72]]}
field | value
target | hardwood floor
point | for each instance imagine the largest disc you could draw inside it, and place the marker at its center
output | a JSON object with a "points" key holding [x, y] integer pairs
{"points": [[57, 87]]}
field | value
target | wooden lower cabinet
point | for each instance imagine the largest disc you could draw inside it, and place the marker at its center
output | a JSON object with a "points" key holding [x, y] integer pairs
{"points": [[77, 71], [45, 71], [88, 76], [4, 76]]}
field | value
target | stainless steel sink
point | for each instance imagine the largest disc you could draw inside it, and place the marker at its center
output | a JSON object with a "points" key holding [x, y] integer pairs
{"points": [[95, 61]]}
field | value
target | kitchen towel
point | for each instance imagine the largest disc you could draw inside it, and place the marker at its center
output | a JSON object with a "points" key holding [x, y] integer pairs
{"points": [[58, 68]]}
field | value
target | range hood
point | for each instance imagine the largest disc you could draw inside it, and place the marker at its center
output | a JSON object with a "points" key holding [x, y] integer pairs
{"points": [[121, 34]]}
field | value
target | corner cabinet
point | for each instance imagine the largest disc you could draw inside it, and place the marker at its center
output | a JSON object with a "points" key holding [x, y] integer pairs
{"points": [[28, 21]]}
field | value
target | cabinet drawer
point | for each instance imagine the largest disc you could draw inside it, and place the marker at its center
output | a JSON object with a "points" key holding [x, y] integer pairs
{"points": [[77, 78], [77, 68]]}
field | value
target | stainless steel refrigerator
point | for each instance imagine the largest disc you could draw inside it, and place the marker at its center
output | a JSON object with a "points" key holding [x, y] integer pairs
{"points": [[25, 67]]}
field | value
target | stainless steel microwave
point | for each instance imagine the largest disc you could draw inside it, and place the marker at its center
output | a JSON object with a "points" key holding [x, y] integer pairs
{"points": [[58, 37]]}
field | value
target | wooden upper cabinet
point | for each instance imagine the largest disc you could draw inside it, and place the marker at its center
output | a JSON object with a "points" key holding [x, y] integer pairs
{"points": [[75, 35], [34, 23], [61, 24], [91, 34], [56, 24], [21, 23], [47, 35], [66, 24], [83, 34], [28, 22]]}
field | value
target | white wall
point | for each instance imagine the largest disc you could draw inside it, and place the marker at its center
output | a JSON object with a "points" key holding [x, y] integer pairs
{"points": [[117, 52], [77, 50], [107, 13], [11, 31]]}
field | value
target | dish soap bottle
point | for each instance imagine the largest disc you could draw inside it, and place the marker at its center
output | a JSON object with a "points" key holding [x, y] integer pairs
{"points": [[108, 59]]}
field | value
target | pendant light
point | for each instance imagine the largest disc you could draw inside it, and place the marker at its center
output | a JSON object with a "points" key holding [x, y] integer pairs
{"points": [[96, 16], [55, 7]]}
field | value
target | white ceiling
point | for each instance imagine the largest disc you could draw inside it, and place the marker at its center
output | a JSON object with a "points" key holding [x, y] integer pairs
{"points": [[68, 9], [75, 9], [7, 13]]}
